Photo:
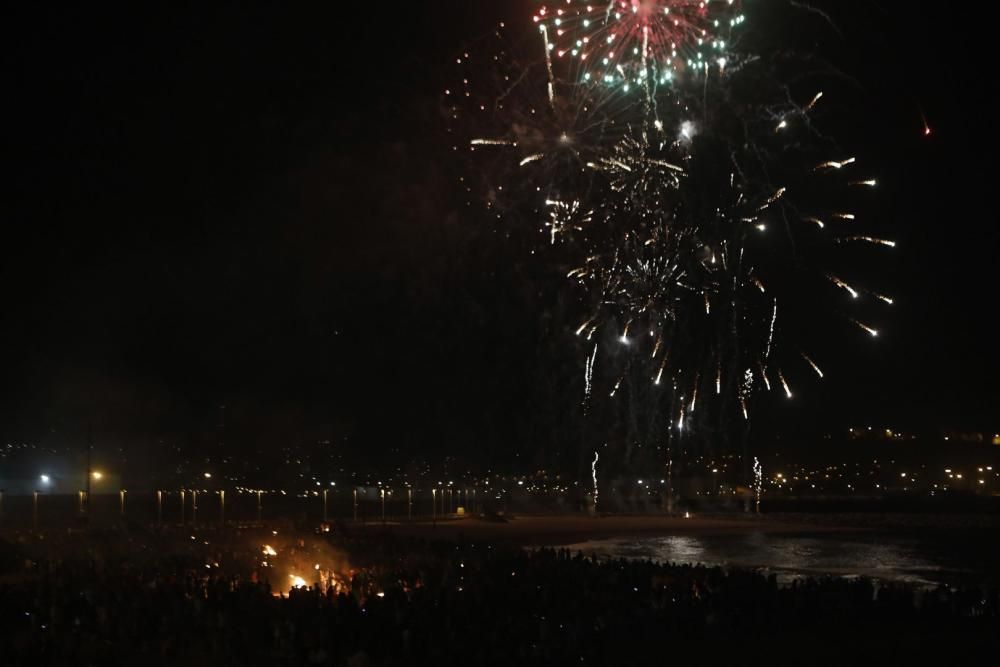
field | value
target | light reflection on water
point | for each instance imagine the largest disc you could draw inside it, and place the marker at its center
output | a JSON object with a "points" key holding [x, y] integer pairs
{"points": [[790, 556]]}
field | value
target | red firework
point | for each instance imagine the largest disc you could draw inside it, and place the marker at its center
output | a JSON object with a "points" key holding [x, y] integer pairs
{"points": [[615, 35]]}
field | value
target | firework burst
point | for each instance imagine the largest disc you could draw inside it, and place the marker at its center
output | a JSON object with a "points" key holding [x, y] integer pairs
{"points": [[626, 44], [686, 214]]}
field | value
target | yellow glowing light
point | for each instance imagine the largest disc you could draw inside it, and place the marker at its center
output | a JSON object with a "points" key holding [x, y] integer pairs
{"points": [[269, 550], [97, 475], [297, 582]]}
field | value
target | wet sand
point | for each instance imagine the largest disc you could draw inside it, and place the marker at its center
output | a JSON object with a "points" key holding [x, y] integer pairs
{"points": [[564, 530]]}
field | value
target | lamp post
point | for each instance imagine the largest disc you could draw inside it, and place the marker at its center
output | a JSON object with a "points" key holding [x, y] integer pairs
{"points": [[259, 507], [183, 494], [383, 506], [324, 505], [34, 511], [355, 505], [409, 504], [159, 507], [194, 507], [222, 507], [434, 506], [121, 500]]}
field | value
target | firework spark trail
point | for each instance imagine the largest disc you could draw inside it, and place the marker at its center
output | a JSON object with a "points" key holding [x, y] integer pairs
{"points": [[868, 239], [593, 476], [589, 378], [548, 66], [770, 333], [746, 389], [758, 482]]}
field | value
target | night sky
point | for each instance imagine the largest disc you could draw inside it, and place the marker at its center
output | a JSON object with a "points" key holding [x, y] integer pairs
{"points": [[257, 207]]}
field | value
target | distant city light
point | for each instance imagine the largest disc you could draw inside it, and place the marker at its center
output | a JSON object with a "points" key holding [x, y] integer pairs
{"points": [[208, 475], [97, 475], [45, 479]]}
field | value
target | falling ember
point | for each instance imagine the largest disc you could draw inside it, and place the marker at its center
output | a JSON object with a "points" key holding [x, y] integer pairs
{"points": [[815, 221], [927, 127], [269, 550], [885, 299], [871, 331], [819, 96], [870, 183], [493, 142], [841, 284], [784, 383], [868, 239], [833, 164], [767, 382], [773, 198], [813, 364]]}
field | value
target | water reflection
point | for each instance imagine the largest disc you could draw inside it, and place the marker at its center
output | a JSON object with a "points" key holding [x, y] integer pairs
{"points": [[790, 557]]}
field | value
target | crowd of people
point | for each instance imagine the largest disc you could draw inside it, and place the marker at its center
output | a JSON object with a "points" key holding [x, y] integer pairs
{"points": [[472, 604]]}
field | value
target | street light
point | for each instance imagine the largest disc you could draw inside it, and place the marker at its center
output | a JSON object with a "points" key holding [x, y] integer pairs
{"points": [[97, 475]]}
